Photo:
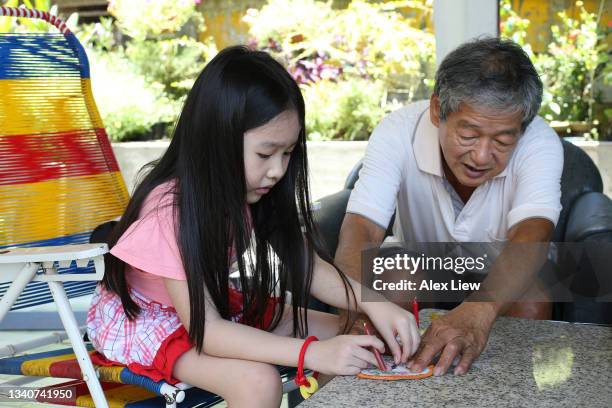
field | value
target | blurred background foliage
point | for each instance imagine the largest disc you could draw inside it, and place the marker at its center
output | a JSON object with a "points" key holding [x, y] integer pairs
{"points": [[574, 66], [354, 64], [354, 60]]}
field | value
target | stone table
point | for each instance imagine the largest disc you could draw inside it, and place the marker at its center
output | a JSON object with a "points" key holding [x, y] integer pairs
{"points": [[526, 363]]}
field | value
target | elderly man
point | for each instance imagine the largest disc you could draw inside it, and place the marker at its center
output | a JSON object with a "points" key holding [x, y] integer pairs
{"points": [[472, 164]]}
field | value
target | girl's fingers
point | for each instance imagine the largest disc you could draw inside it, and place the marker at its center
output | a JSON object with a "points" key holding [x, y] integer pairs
{"points": [[369, 341], [407, 341], [352, 370], [364, 358], [393, 345]]}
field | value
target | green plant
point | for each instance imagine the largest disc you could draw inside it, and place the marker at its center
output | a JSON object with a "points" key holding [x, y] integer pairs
{"points": [[174, 63], [513, 26], [142, 19], [577, 58], [151, 51], [575, 62], [347, 110], [347, 57], [129, 105], [163, 43], [99, 36]]}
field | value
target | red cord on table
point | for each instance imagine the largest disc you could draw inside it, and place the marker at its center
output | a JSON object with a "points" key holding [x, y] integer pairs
{"points": [[381, 363], [415, 311]]}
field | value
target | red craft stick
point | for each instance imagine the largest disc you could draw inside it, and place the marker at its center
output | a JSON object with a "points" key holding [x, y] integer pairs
{"points": [[381, 363], [415, 311]]}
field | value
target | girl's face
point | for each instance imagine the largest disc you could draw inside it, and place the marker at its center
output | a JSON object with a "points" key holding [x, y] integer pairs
{"points": [[267, 150]]}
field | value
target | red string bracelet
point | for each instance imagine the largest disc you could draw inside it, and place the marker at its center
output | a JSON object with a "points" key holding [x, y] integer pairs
{"points": [[308, 385]]}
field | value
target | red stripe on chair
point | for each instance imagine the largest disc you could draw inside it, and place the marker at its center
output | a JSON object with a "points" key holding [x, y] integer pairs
{"points": [[34, 158], [65, 369], [107, 150]]}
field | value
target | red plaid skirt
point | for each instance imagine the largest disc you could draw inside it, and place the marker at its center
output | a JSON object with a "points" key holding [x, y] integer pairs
{"points": [[151, 343]]}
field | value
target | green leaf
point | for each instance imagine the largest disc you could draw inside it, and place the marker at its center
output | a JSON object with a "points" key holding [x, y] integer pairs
{"points": [[7, 22], [43, 5]]}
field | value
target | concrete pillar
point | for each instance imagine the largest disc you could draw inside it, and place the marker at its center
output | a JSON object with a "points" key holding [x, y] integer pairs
{"points": [[456, 21]]}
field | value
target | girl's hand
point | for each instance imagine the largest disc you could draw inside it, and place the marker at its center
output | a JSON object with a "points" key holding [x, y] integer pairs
{"points": [[342, 355], [391, 320]]}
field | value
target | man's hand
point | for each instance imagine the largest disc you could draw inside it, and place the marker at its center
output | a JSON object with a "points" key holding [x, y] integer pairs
{"points": [[463, 332]]}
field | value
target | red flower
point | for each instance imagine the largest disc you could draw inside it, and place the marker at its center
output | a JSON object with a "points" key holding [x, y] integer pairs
{"points": [[573, 34]]}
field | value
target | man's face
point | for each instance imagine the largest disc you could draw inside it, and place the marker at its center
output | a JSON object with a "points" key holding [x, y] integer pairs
{"points": [[476, 142]]}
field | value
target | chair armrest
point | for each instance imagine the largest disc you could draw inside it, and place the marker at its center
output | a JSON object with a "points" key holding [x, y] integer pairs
{"points": [[329, 216], [53, 253], [14, 260], [590, 216]]}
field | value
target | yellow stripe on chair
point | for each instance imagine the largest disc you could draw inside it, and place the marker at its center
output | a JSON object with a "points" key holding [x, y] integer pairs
{"points": [[110, 373], [60, 207], [118, 397], [41, 366], [31, 106]]}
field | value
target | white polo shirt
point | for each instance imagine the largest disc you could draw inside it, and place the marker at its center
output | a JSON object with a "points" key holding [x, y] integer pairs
{"points": [[402, 172]]}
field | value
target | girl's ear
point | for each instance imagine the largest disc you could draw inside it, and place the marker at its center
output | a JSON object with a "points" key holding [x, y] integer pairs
{"points": [[434, 110]]}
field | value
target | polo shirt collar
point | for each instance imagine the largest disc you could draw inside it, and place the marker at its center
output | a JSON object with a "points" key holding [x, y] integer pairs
{"points": [[426, 146]]}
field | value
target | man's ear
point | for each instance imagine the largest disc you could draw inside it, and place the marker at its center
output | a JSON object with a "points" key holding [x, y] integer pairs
{"points": [[434, 110]]}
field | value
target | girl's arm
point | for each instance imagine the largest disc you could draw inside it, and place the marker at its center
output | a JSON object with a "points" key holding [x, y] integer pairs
{"points": [[389, 319], [223, 338], [328, 287]]}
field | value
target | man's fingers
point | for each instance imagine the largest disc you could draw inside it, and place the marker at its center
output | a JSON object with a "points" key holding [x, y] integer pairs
{"points": [[416, 341], [467, 358], [452, 350], [426, 352]]}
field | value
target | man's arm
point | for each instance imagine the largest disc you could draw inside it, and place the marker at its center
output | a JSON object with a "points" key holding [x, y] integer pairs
{"points": [[515, 270], [464, 330], [356, 232]]}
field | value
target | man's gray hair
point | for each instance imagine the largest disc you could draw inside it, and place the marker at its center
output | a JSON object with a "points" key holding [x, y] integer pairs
{"points": [[489, 72]]}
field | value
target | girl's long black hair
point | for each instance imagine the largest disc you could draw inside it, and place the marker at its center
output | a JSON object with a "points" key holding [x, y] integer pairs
{"points": [[239, 90]]}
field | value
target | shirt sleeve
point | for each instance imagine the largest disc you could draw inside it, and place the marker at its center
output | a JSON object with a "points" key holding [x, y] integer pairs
{"points": [[539, 164], [375, 193], [150, 243]]}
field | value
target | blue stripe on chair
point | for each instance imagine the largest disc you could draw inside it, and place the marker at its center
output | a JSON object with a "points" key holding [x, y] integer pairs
{"points": [[128, 377], [48, 55], [12, 365], [73, 289]]}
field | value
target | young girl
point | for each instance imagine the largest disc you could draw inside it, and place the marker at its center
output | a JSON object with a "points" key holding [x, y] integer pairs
{"points": [[231, 188]]}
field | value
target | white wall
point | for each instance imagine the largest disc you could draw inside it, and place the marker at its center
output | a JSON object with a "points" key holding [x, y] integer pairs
{"points": [[330, 162]]}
